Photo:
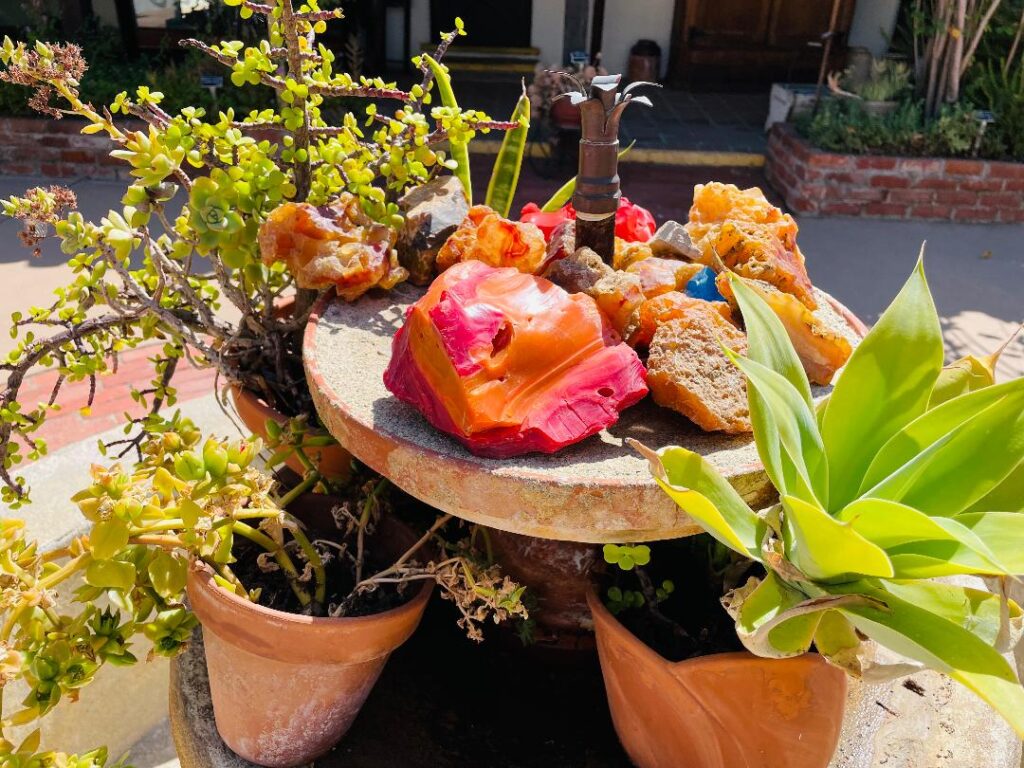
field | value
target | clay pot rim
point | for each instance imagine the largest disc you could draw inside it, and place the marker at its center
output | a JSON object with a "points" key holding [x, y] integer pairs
{"points": [[267, 411], [202, 576], [602, 616]]}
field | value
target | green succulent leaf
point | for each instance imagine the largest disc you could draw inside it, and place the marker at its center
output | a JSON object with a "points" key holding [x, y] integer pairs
{"points": [[1008, 496], [949, 629], [111, 574], [168, 574], [1002, 534], [885, 385], [964, 465], [787, 435], [108, 537], [702, 493], [825, 548], [459, 148]]}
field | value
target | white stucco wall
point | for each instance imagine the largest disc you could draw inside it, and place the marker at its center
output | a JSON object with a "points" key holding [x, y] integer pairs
{"points": [[873, 24], [548, 29], [419, 25], [627, 22]]}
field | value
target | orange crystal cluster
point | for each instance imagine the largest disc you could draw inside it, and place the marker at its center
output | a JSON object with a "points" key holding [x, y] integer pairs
{"points": [[334, 245]]}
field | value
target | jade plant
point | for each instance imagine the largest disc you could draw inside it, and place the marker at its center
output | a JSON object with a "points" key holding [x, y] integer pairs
{"points": [[905, 472], [183, 247], [194, 500]]}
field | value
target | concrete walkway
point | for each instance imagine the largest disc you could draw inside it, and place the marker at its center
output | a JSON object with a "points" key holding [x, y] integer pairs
{"points": [[976, 271]]}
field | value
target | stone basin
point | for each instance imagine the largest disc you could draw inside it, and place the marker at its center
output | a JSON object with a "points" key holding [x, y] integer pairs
{"points": [[596, 491]]}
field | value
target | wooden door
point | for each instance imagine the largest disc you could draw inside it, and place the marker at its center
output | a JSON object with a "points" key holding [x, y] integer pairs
{"points": [[718, 43]]}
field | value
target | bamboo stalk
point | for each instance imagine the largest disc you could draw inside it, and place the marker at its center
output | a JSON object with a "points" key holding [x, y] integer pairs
{"points": [[983, 25]]}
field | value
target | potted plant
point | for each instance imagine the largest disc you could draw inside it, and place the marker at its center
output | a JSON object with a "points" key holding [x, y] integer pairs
{"points": [[300, 602], [879, 89], [185, 244], [905, 472]]}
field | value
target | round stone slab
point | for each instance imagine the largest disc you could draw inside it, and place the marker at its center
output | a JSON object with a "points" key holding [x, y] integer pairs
{"points": [[596, 491]]}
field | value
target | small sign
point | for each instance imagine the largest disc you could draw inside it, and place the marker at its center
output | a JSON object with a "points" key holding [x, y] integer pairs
{"points": [[984, 116], [579, 59], [211, 81]]}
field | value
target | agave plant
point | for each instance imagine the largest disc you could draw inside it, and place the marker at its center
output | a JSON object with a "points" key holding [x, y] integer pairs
{"points": [[907, 471]]}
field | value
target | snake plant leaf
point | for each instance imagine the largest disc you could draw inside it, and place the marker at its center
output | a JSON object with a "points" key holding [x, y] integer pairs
{"points": [[949, 629], [968, 374], [825, 548], [565, 192], [767, 339], [702, 493], [963, 466], [1003, 537], [509, 162], [459, 149], [787, 436], [885, 385], [1008, 496], [931, 427]]}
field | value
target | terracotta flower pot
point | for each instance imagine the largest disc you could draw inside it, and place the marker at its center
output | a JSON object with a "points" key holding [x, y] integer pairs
{"points": [[727, 710], [286, 687], [556, 573], [332, 460]]}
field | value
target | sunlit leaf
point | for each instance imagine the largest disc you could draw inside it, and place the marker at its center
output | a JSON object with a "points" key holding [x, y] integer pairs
{"points": [[949, 630], [706, 496], [825, 548], [885, 385]]}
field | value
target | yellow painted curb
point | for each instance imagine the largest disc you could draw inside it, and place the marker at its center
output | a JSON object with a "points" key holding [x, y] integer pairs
{"points": [[652, 156]]}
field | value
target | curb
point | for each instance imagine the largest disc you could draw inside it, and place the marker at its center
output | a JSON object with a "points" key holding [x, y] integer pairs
{"points": [[677, 157]]}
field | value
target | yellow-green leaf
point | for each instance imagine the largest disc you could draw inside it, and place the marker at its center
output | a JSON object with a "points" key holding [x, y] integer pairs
{"points": [[505, 176], [110, 574], [824, 548], [885, 385], [167, 574], [108, 537]]}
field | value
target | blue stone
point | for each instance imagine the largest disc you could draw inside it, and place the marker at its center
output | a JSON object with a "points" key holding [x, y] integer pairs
{"points": [[702, 286]]}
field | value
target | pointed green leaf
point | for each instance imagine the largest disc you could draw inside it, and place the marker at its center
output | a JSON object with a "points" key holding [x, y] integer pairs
{"points": [[885, 385], [505, 175], [824, 548], [968, 374], [1001, 532], [947, 628], [459, 149], [786, 433], [706, 496], [1008, 496], [931, 427], [767, 339], [889, 523], [963, 466]]}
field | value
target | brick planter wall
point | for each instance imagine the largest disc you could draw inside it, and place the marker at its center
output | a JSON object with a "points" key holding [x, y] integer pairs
{"points": [[818, 183], [47, 147]]}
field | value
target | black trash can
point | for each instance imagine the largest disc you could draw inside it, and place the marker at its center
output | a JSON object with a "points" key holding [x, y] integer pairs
{"points": [[644, 61]]}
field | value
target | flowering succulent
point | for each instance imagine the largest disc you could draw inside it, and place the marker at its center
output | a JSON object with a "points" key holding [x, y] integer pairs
{"points": [[201, 186]]}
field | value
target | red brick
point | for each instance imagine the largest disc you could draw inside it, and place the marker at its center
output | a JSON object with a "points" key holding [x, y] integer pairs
{"points": [[975, 214], [1006, 170], [929, 212], [924, 166], [829, 160], [1015, 216], [77, 156], [863, 194], [876, 162], [840, 209], [982, 185], [910, 196], [886, 181], [802, 204], [937, 182], [955, 198], [801, 151], [892, 210], [1014, 185], [1000, 200], [18, 169], [965, 167], [57, 170]]}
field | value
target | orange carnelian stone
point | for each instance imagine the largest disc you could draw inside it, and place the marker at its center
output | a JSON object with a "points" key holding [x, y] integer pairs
{"points": [[509, 363]]}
